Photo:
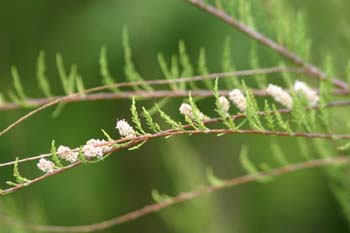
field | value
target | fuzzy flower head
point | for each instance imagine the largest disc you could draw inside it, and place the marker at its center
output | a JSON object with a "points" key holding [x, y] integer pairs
{"points": [[186, 110], [280, 95], [125, 130], [46, 165], [237, 97], [224, 103], [310, 95], [96, 148], [67, 154]]}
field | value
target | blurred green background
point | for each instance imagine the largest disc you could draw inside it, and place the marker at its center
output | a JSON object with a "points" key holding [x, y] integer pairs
{"points": [[77, 29]]}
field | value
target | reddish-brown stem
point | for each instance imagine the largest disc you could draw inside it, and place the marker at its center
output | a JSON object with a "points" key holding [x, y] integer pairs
{"points": [[213, 120], [164, 134], [151, 94], [183, 197], [129, 94], [312, 70], [149, 82]]}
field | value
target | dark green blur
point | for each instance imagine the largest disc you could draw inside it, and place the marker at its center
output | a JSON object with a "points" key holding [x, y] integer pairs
{"points": [[300, 202]]}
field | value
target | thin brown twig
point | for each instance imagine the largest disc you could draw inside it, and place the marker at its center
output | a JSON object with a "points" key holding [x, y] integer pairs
{"points": [[137, 94], [140, 94], [311, 69], [213, 120], [164, 134], [149, 82], [183, 197], [123, 95]]}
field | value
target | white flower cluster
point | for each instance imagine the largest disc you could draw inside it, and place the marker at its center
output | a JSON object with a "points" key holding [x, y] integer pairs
{"points": [[96, 148], [237, 97], [93, 148], [186, 110], [303, 89], [46, 165], [64, 152], [280, 95], [224, 103], [125, 130]]}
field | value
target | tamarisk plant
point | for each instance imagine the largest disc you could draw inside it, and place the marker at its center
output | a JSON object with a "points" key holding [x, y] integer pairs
{"points": [[294, 108]]}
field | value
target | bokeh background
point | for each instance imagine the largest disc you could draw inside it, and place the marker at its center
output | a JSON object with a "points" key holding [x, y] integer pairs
{"points": [[77, 29]]}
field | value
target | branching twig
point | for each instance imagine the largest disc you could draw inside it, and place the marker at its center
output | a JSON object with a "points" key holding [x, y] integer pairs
{"points": [[213, 120], [309, 68], [137, 94], [183, 197], [150, 82], [168, 133]]}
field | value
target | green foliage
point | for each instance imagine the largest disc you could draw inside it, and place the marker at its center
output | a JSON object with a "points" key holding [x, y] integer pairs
{"points": [[138, 146], [287, 77], [159, 198], [249, 166], [323, 148], [202, 67], [344, 147], [230, 6], [107, 79], [246, 162], [227, 65], [270, 121], [218, 4], [58, 110], [54, 156], [347, 73], [294, 34], [19, 97], [197, 116], [280, 122], [260, 79], [129, 69], [41, 76], [168, 72], [19, 178], [278, 153], [299, 109], [224, 116], [252, 110], [150, 122], [68, 81], [81, 156], [161, 103], [245, 12], [304, 148], [17, 83], [172, 123], [135, 117], [342, 196], [109, 138], [80, 85], [213, 180], [2, 99], [185, 62], [326, 89]]}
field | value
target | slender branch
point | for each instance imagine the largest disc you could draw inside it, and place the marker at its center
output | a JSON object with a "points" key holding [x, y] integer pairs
{"points": [[309, 68], [206, 122], [123, 95], [149, 82], [183, 197], [165, 134], [126, 94], [137, 94]]}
